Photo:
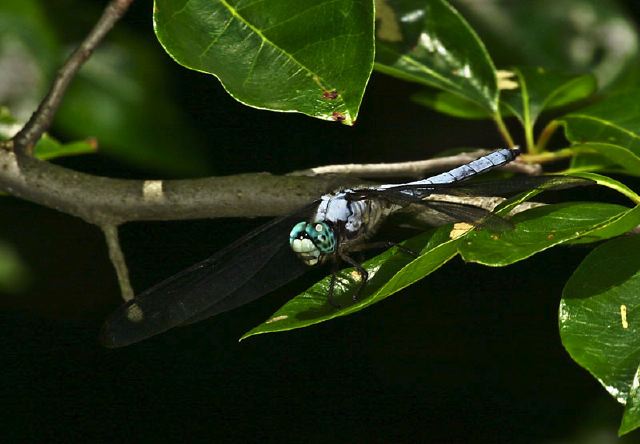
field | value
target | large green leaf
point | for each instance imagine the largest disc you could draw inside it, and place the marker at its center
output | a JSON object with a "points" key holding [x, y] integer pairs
{"points": [[614, 120], [538, 229], [427, 41], [388, 273], [599, 321], [308, 56]]}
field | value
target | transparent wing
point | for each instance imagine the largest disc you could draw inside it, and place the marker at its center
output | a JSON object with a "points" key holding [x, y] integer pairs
{"points": [[503, 187], [448, 211], [249, 268]]}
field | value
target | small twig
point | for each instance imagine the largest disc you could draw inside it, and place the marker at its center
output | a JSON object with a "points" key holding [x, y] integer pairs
{"points": [[40, 121], [118, 260], [418, 168]]}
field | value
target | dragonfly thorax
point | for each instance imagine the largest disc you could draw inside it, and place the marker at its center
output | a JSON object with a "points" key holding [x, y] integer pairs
{"points": [[312, 241]]}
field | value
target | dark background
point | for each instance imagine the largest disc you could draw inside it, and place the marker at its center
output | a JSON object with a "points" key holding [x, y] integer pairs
{"points": [[470, 354]]}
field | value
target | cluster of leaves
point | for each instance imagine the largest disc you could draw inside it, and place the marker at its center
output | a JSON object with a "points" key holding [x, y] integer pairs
{"points": [[317, 61], [316, 58]]}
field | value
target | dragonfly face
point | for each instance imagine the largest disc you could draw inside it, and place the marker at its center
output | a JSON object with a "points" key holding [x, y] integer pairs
{"points": [[313, 242]]}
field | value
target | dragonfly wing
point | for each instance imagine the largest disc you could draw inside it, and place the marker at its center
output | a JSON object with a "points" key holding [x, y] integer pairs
{"points": [[447, 212], [503, 187], [283, 267], [459, 212], [236, 275]]}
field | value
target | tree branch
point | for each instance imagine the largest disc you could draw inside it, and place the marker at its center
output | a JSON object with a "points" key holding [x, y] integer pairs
{"points": [[40, 121], [106, 201]]}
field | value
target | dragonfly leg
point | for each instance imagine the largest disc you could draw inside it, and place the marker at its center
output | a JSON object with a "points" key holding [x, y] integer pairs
{"points": [[332, 286], [385, 244], [364, 275]]}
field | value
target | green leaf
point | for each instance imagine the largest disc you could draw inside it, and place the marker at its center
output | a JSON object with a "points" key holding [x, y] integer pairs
{"points": [[308, 56], [48, 148], [565, 35], [538, 90], [614, 120], [596, 156], [611, 183], [389, 272], [599, 320], [537, 230], [427, 41], [541, 90], [451, 104]]}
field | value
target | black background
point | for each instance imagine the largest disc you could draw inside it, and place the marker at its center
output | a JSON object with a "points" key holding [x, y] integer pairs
{"points": [[470, 354]]}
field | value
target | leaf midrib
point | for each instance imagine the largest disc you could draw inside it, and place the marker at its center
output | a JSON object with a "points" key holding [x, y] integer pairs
{"points": [[315, 77]]}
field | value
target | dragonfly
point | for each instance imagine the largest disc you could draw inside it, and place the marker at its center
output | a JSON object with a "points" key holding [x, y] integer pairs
{"points": [[329, 230]]}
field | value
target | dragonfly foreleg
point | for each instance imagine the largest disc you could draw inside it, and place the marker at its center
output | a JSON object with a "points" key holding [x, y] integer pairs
{"points": [[364, 275]]}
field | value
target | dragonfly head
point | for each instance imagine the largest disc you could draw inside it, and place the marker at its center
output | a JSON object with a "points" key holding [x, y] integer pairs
{"points": [[312, 241]]}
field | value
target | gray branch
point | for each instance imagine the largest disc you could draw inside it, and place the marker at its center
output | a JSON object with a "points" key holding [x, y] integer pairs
{"points": [[417, 168], [106, 201]]}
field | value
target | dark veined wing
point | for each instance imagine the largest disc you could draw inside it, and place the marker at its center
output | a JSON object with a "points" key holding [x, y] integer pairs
{"points": [[447, 211], [249, 268], [404, 194], [503, 187]]}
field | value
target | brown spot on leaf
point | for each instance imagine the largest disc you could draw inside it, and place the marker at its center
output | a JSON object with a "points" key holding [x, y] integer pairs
{"points": [[338, 116], [330, 95]]}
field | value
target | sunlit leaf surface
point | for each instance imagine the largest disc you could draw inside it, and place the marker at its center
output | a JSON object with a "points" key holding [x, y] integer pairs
{"points": [[308, 56], [537, 230], [429, 42]]}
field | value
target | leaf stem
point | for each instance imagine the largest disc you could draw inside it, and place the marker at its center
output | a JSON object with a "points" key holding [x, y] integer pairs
{"points": [[549, 156], [503, 130], [545, 135]]}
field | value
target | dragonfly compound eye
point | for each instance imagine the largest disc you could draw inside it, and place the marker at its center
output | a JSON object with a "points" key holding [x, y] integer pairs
{"points": [[311, 241]]}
